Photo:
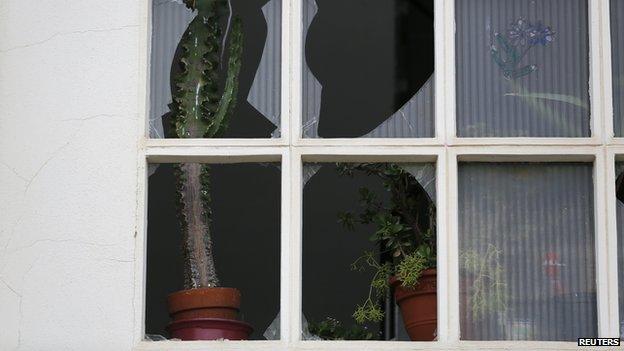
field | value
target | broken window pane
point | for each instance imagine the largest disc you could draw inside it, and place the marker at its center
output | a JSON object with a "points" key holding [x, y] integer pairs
{"points": [[526, 241], [256, 112], [368, 69], [245, 232], [347, 208], [617, 60], [522, 68]]}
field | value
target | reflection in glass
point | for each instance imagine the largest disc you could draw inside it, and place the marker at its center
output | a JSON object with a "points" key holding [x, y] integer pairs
{"points": [[257, 108], [617, 60], [526, 240], [346, 208], [522, 68], [368, 68]]}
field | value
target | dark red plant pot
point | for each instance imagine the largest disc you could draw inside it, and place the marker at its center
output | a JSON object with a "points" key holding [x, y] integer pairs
{"points": [[209, 329]]}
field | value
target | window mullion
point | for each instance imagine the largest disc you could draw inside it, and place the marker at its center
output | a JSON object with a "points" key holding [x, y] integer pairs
{"points": [[286, 266], [294, 280], [445, 66], [609, 282], [449, 241], [295, 52], [288, 67], [446, 304], [440, 27], [597, 69], [603, 284], [603, 39]]}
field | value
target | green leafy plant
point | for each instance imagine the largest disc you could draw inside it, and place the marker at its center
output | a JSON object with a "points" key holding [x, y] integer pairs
{"points": [[200, 110], [405, 233], [332, 329], [487, 289]]}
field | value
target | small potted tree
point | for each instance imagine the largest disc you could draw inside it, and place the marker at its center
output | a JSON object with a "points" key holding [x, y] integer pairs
{"points": [[203, 310], [406, 238]]}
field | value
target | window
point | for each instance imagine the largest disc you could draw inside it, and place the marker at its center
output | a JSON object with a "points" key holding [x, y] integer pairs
{"points": [[526, 250], [503, 115], [522, 68]]}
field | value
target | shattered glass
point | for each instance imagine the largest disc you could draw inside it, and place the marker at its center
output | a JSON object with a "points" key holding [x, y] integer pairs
{"points": [[368, 69], [244, 225], [273, 331], [257, 112], [424, 173], [330, 247]]}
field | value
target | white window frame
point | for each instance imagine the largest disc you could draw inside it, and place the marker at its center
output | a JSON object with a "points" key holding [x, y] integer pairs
{"points": [[445, 149]]}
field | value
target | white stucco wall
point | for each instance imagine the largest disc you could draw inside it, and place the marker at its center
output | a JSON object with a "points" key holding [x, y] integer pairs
{"points": [[69, 109]]}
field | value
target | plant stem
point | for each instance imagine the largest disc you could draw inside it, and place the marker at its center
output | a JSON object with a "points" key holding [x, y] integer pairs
{"points": [[200, 111], [195, 215]]}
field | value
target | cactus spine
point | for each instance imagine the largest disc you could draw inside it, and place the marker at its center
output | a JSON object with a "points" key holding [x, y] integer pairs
{"points": [[199, 110]]}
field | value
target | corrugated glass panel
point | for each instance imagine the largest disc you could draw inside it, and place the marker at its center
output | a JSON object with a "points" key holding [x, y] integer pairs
{"points": [[522, 68], [526, 241]]}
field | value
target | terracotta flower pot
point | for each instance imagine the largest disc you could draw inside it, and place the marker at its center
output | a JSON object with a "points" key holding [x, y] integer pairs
{"points": [[204, 303], [419, 306], [206, 314]]}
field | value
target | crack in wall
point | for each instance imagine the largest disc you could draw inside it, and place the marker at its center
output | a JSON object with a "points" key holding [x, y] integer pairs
{"points": [[37, 171], [14, 171], [18, 294], [88, 118], [56, 152], [45, 163], [64, 241], [62, 34]]}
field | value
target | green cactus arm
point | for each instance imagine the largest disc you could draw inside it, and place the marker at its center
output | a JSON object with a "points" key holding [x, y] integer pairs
{"points": [[195, 97], [219, 122]]}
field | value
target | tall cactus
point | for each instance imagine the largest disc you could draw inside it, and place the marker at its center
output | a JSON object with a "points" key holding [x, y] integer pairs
{"points": [[199, 110]]}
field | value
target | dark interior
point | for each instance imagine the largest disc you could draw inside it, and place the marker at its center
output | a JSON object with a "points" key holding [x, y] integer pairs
{"points": [[246, 205], [370, 57], [330, 287], [246, 223]]}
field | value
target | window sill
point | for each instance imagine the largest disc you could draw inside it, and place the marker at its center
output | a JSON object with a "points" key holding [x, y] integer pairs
{"points": [[352, 345]]}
